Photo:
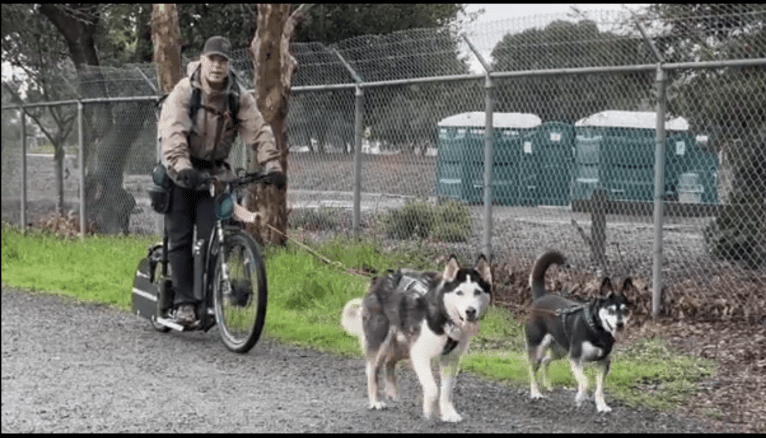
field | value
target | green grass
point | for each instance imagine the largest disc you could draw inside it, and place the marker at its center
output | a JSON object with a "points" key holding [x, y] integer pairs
{"points": [[307, 295]]}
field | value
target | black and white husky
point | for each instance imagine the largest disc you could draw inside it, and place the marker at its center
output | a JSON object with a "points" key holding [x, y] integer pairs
{"points": [[420, 316], [583, 331]]}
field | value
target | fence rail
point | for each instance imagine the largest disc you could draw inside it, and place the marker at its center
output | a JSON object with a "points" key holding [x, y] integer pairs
{"points": [[635, 151]]}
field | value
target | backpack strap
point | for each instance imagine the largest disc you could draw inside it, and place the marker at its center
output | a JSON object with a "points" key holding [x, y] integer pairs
{"points": [[233, 96], [196, 98]]}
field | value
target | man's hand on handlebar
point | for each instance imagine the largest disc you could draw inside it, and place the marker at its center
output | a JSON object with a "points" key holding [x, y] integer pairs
{"points": [[192, 178], [277, 178]]}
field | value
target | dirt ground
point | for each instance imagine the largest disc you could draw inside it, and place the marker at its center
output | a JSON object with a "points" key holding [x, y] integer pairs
{"points": [[699, 319]]}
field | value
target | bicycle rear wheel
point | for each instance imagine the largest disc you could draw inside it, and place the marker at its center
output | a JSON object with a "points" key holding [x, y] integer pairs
{"points": [[239, 292]]}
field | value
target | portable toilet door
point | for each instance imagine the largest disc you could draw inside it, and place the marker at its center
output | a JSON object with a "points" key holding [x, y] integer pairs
{"points": [[629, 163], [513, 178], [507, 164], [552, 144], [702, 161], [586, 174], [450, 168], [678, 150]]}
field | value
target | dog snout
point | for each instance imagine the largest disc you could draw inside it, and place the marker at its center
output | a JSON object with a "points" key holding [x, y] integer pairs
{"points": [[620, 325], [470, 314]]}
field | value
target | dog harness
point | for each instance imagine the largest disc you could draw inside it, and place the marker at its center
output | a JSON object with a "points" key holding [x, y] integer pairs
{"points": [[587, 315], [409, 283], [450, 327], [449, 346]]}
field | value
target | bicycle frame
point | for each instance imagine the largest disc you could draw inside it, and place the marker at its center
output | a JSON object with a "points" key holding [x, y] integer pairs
{"points": [[152, 300]]}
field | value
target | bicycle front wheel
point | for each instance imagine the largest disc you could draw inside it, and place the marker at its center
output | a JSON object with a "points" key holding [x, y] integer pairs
{"points": [[239, 292]]}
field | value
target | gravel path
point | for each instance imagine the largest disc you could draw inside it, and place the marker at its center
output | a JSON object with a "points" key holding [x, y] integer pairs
{"points": [[74, 367]]}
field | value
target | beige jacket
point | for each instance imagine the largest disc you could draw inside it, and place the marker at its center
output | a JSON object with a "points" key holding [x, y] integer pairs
{"points": [[213, 134]]}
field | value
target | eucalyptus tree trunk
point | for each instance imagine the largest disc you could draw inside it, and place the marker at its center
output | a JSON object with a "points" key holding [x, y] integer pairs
{"points": [[273, 69], [166, 39]]}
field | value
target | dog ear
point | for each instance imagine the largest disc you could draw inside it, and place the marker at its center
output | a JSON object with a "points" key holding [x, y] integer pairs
{"points": [[484, 268], [606, 284], [627, 283], [452, 268]]}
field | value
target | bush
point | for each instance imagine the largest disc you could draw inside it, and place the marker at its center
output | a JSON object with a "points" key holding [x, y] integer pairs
{"points": [[737, 233], [453, 221], [323, 218], [449, 221], [414, 218]]}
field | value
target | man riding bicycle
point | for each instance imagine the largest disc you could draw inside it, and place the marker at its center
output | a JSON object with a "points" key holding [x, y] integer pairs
{"points": [[198, 124]]}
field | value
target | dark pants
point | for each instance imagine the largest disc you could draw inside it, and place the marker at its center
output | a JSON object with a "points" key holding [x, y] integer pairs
{"points": [[188, 208]]}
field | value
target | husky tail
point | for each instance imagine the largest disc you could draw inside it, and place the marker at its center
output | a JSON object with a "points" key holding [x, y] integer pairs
{"points": [[537, 275], [351, 319]]}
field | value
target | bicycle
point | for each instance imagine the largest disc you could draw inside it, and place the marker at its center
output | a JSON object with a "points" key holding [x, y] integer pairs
{"points": [[229, 274]]}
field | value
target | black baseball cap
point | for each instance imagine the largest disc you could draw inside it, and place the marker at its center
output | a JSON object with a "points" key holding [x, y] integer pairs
{"points": [[217, 45]]}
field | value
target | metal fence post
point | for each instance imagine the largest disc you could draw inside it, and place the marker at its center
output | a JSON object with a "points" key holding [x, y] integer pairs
{"points": [[489, 138], [659, 172], [23, 170], [659, 189], [81, 163], [358, 102]]}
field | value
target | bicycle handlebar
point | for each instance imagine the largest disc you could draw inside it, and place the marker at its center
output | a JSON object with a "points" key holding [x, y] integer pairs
{"points": [[242, 180]]}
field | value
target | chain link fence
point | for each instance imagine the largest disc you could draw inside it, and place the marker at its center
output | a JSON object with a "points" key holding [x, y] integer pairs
{"points": [[637, 146]]}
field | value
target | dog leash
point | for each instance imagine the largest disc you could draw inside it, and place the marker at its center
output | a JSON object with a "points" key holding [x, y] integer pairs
{"points": [[316, 254]]}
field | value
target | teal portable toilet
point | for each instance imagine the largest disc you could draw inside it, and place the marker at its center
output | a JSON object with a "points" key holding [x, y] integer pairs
{"points": [[460, 168], [587, 166], [548, 154], [506, 177], [680, 145], [624, 142], [449, 170], [513, 182], [628, 161], [700, 173]]}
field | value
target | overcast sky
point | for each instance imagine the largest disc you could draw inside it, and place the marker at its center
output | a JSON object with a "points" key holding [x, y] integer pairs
{"points": [[499, 12], [494, 12]]}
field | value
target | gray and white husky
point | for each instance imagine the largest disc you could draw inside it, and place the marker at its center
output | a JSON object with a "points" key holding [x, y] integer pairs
{"points": [[583, 331], [420, 316]]}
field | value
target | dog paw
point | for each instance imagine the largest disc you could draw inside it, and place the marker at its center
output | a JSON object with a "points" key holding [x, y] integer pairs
{"points": [[603, 408], [378, 406], [580, 398], [535, 395], [452, 417]]}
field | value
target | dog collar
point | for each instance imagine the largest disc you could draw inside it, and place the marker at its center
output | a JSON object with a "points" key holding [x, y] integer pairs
{"points": [[449, 329], [449, 346]]}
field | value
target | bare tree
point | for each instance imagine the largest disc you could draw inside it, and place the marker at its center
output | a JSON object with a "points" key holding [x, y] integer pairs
{"points": [[273, 69], [108, 204]]}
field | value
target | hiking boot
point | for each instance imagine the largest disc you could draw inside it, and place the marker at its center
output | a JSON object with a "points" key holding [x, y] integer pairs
{"points": [[185, 314]]}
